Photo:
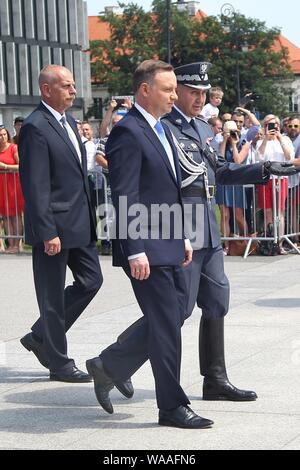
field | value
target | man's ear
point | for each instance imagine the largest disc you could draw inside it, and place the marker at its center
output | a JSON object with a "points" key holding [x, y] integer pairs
{"points": [[144, 89], [45, 90]]}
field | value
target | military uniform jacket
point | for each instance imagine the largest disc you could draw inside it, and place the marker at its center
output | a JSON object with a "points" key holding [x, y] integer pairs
{"points": [[200, 218]]}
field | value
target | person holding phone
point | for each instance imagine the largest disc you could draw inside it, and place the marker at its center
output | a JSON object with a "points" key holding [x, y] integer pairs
{"points": [[279, 148], [111, 117], [228, 197]]}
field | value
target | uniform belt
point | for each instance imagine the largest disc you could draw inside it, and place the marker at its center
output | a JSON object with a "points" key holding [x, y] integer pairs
{"points": [[194, 192]]}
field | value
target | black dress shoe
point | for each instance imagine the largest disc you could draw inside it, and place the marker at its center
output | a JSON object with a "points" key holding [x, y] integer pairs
{"points": [[214, 389], [103, 384], [72, 375], [183, 417], [126, 387], [36, 347]]}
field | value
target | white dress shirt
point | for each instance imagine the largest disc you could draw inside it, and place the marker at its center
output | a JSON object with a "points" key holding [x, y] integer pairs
{"points": [[69, 129]]}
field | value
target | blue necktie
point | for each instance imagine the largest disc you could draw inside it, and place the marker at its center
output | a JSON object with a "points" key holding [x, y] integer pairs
{"points": [[161, 133], [162, 137]]}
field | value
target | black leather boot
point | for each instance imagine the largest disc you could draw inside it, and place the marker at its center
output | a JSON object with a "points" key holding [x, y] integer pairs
{"points": [[216, 385]]}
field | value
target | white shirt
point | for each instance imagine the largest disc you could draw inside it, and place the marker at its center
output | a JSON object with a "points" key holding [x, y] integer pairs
{"points": [[70, 131], [274, 152], [152, 121], [91, 150], [209, 111], [187, 118]]}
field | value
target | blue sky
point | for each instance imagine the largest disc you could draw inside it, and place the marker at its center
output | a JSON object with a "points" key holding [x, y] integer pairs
{"points": [[273, 13]]}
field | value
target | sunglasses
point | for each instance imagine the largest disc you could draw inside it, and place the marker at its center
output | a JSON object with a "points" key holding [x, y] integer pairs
{"points": [[293, 126]]}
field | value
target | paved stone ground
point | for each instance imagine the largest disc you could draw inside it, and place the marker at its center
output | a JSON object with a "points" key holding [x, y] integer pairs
{"points": [[263, 353]]}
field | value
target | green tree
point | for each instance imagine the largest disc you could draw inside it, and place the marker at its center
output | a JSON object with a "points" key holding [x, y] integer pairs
{"points": [[137, 35], [113, 61], [261, 69]]}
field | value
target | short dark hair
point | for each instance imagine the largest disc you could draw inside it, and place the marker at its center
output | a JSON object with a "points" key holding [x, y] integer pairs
{"points": [[147, 70], [18, 119]]}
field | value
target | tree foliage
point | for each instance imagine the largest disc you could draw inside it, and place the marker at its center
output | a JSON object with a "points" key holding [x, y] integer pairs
{"points": [[136, 35]]}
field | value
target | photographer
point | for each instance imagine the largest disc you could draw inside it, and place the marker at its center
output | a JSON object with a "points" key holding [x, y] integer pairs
{"points": [[279, 148], [249, 118], [229, 197], [111, 118]]}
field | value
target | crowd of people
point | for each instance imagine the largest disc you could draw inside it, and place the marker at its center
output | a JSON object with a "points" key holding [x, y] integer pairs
{"points": [[238, 136], [241, 138]]}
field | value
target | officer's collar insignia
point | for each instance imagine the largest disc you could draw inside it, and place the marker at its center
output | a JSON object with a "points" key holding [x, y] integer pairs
{"points": [[178, 121]]}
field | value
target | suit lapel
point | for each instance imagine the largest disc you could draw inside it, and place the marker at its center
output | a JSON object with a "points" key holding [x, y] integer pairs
{"points": [[154, 140], [60, 131]]}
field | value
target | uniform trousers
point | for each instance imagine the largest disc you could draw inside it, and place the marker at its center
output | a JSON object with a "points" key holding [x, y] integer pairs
{"points": [[207, 283]]}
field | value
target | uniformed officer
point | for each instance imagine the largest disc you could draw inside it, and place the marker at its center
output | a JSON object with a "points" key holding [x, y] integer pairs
{"points": [[208, 285], [202, 168]]}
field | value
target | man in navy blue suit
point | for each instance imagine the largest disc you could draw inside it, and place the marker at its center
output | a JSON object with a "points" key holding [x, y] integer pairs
{"points": [[59, 222], [144, 172]]}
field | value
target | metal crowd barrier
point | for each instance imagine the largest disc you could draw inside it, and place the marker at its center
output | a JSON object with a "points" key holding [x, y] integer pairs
{"points": [[103, 205], [285, 223], [11, 227], [11, 212]]}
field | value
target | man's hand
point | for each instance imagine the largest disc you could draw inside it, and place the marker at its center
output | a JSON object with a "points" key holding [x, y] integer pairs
{"points": [[188, 253], [140, 268], [279, 169], [52, 247]]}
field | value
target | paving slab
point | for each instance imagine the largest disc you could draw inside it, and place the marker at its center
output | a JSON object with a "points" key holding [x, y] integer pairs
{"points": [[262, 353]]}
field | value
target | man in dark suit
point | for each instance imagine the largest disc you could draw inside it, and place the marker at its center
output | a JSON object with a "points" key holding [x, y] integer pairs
{"points": [[145, 175], [207, 282], [59, 222]]}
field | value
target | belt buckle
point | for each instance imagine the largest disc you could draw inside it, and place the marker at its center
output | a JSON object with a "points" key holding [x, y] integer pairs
{"points": [[211, 191]]}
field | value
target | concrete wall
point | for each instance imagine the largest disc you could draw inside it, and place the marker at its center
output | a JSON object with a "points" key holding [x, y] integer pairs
{"points": [[34, 33]]}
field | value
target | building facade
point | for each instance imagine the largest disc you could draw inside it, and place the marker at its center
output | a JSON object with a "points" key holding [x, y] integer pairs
{"points": [[34, 33]]}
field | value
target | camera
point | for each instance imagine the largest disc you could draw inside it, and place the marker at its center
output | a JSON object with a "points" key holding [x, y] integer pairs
{"points": [[248, 99], [120, 101], [234, 134], [272, 126]]}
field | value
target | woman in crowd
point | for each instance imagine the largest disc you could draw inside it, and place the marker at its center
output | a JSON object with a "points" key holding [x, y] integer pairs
{"points": [[232, 197], [11, 200], [279, 148]]}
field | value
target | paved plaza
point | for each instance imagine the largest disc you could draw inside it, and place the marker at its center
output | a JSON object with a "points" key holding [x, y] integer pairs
{"points": [[263, 353]]}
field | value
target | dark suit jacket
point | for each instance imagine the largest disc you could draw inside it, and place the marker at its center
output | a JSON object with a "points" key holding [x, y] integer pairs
{"points": [[54, 183], [140, 171]]}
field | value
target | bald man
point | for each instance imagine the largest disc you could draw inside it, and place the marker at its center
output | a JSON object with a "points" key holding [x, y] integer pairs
{"points": [[59, 222]]}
